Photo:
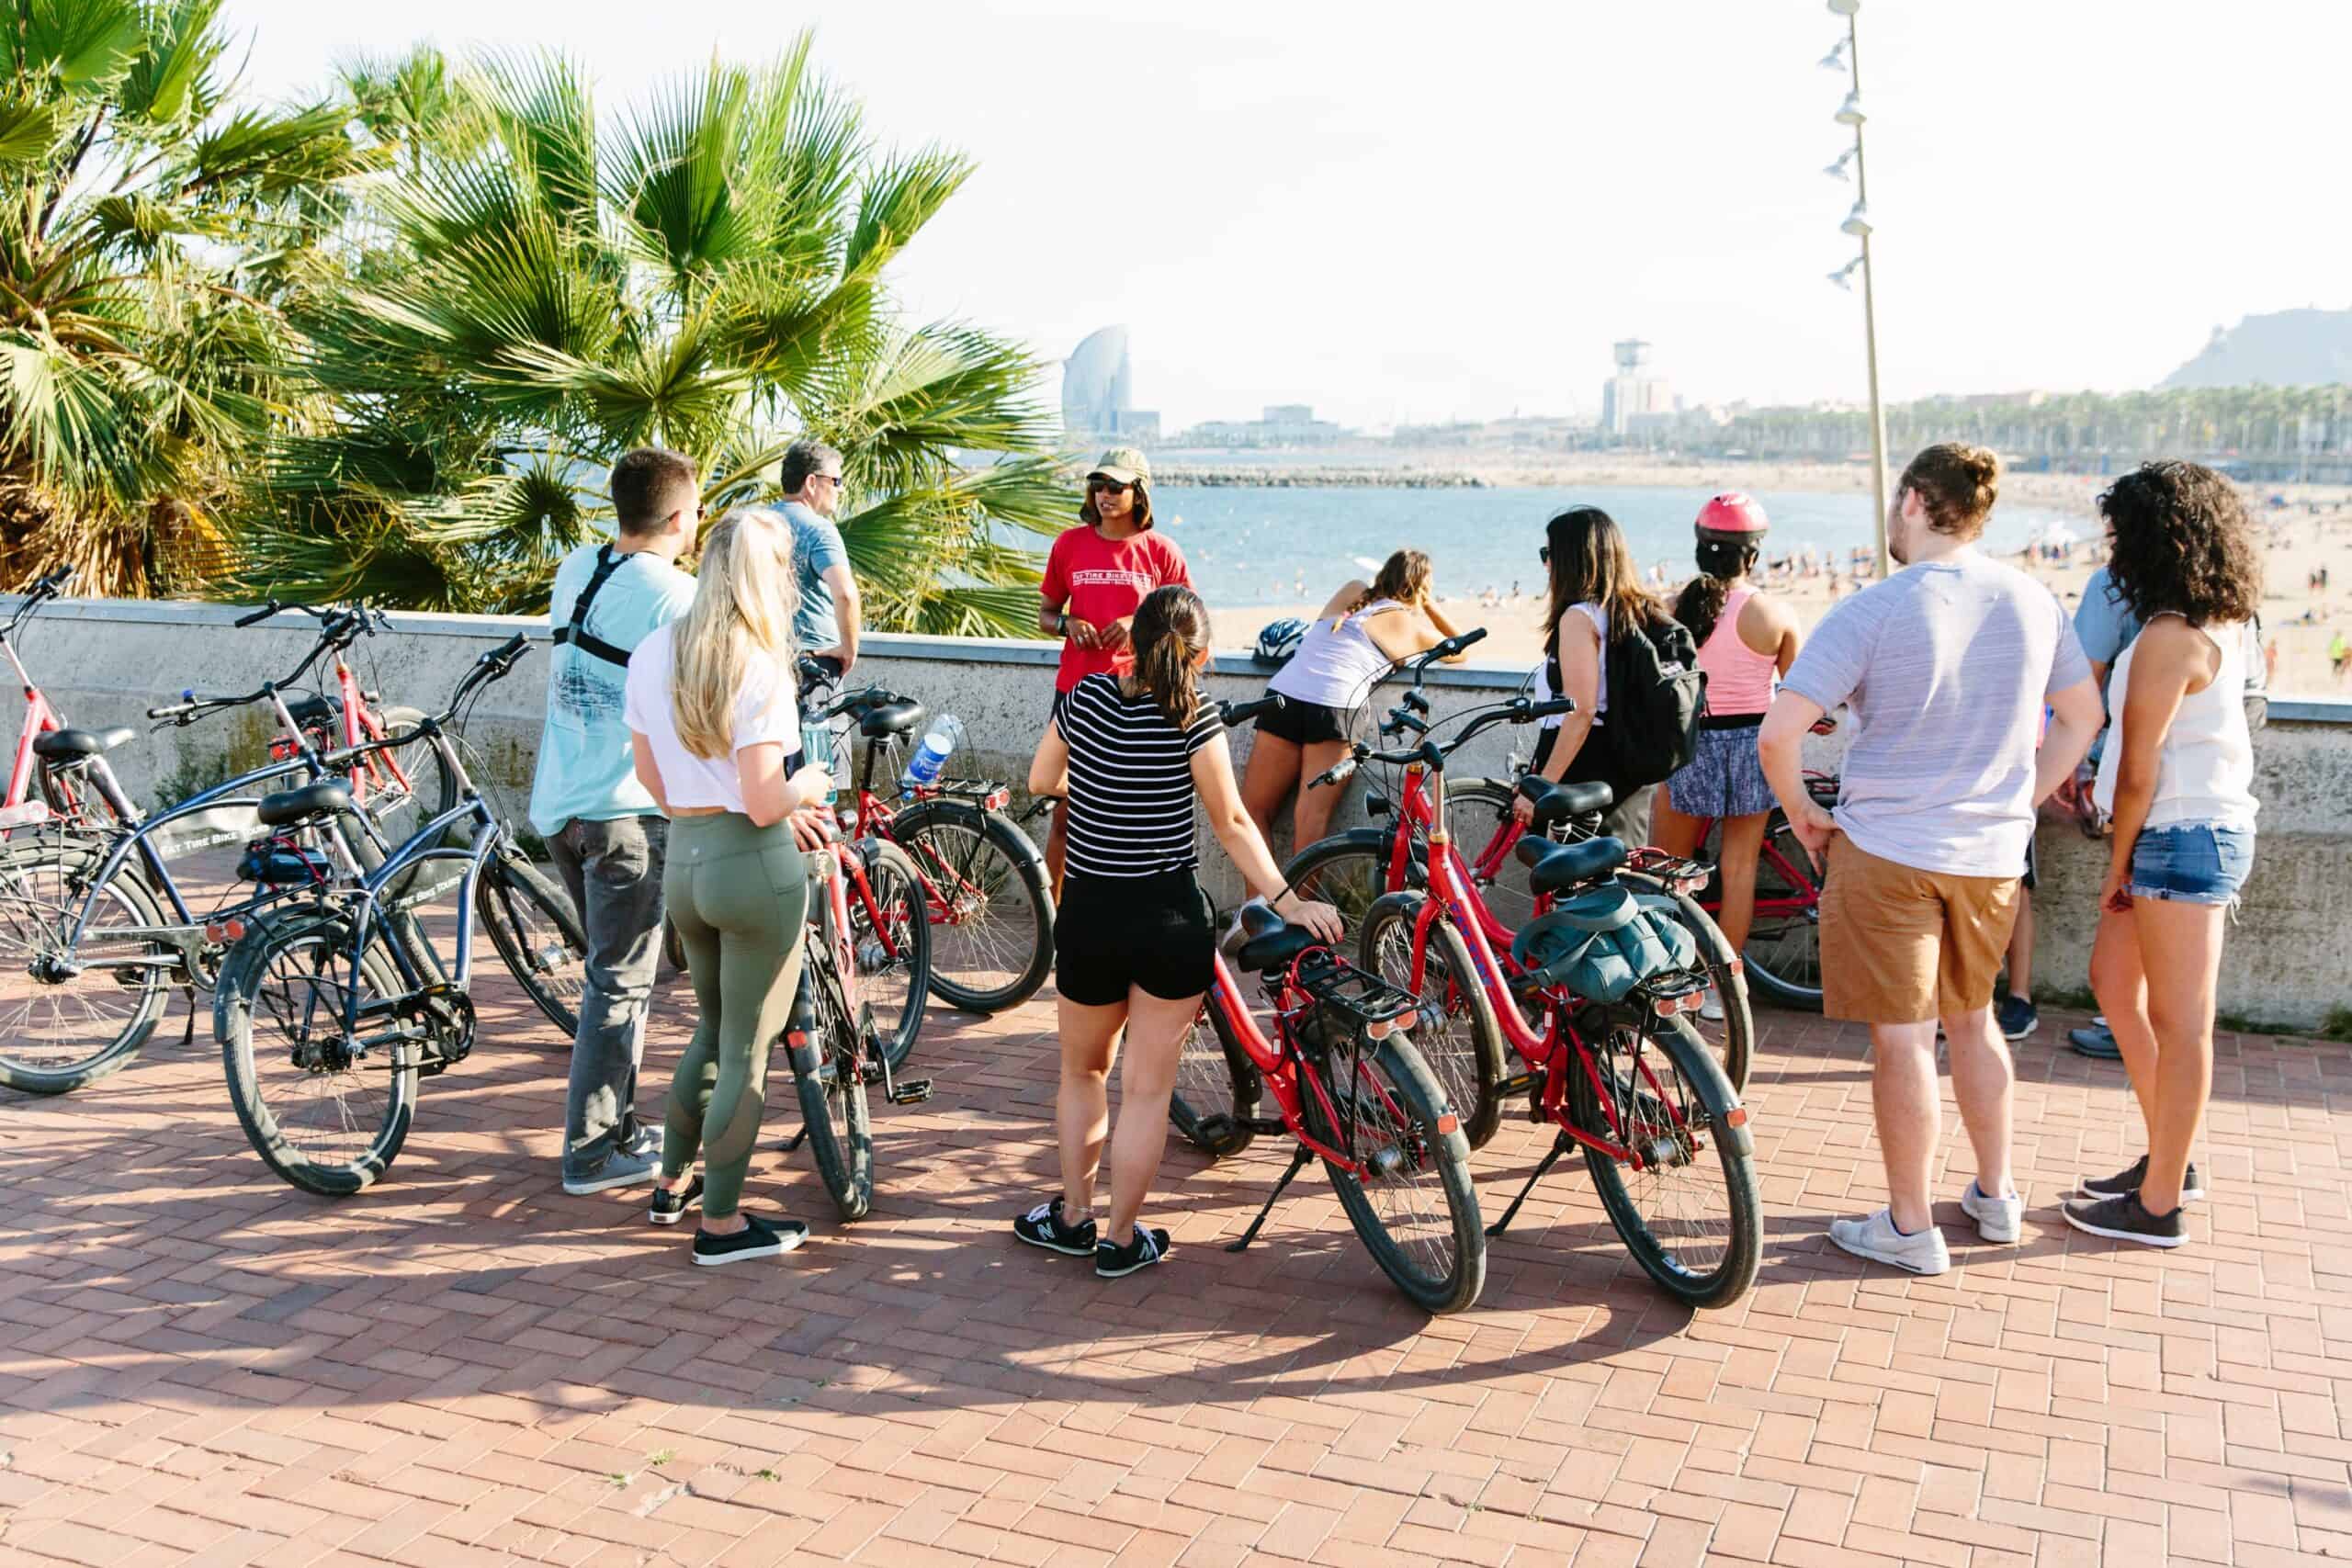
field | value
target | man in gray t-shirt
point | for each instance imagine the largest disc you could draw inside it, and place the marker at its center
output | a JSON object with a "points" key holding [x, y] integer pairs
{"points": [[826, 626], [1945, 669]]}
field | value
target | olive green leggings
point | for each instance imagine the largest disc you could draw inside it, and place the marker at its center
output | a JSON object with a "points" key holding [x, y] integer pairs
{"points": [[739, 895]]}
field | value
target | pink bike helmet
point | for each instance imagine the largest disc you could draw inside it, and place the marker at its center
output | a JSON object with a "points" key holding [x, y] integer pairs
{"points": [[1732, 513]]}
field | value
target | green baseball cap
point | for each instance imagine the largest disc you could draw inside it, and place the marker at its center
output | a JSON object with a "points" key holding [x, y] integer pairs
{"points": [[1123, 464]]}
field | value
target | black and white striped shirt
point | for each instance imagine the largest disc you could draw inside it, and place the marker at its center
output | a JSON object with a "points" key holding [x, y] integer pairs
{"points": [[1130, 807]]}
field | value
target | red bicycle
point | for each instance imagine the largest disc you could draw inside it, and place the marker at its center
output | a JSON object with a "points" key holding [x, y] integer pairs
{"points": [[1623, 1077], [983, 879], [39, 743]]}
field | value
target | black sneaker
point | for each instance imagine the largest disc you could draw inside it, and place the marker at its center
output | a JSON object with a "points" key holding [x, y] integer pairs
{"points": [[2129, 1180], [1116, 1262], [2017, 1016], [669, 1208], [758, 1238], [2126, 1219], [1042, 1226]]}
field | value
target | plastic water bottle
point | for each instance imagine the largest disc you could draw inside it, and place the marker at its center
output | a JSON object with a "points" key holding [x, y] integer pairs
{"points": [[924, 768], [817, 751]]}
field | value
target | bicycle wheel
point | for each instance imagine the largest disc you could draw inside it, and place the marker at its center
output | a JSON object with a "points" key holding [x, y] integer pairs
{"points": [[1215, 1077], [532, 923], [326, 1111], [69, 1014], [1733, 1040], [990, 913], [1414, 1207], [1347, 871], [1459, 1037], [832, 1089], [893, 958], [1478, 811], [1783, 951], [1695, 1231]]}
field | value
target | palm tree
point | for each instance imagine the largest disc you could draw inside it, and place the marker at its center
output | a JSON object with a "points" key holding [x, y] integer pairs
{"points": [[148, 226], [536, 290]]}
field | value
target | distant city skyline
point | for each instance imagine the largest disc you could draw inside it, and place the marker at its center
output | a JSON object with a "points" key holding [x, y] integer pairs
{"points": [[1402, 221]]}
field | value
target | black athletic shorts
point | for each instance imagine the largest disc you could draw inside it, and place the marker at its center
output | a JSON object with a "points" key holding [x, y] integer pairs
{"points": [[1111, 932], [1304, 724]]}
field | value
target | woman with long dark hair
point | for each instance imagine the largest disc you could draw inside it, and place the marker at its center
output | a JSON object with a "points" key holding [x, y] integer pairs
{"points": [[1596, 597], [1134, 948], [2176, 779], [1365, 630], [1748, 639]]}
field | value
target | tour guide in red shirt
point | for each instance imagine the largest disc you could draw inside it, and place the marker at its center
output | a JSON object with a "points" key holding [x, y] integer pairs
{"points": [[1095, 577]]}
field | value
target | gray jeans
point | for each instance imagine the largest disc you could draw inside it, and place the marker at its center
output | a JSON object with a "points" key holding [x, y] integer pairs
{"points": [[613, 870]]}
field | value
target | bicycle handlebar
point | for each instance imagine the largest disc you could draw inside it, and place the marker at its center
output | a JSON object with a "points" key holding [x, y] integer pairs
{"points": [[1233, 715], [1433, 753], [42, 592]]}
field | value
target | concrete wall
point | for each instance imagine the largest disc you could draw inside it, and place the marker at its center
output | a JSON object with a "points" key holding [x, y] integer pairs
{"points": [[103, 662]]}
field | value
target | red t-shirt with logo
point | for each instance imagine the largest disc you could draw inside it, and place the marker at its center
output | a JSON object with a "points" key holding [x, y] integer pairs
{"points": [[1099, 581]]}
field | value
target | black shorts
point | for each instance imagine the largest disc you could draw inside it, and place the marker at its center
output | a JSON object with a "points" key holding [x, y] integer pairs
{"points": [[1304, 724], [1111, 932]]}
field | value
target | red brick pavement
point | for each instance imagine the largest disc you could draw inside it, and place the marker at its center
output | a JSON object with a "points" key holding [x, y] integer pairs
{"points": [[198, 1364]]}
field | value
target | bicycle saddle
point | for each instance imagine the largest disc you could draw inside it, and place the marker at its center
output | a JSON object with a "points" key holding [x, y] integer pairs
{"points": [[1261, 939], [898, 718], [292, 806], [1553, 868], [63, 743], [1559, 802], [318, 710]]}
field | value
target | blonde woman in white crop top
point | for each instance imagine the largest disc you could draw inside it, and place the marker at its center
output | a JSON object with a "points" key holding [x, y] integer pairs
{"points": [[1356, 638], [2178, 777]]}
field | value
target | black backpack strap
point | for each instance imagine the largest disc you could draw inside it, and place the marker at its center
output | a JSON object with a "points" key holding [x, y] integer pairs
{"points": [[576, 633]]}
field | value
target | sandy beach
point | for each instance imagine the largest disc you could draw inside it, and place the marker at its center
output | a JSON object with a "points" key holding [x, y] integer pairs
{"points": [[2312, 530]]}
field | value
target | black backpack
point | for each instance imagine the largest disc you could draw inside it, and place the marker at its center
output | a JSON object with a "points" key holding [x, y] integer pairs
{"points": [[1657, 695]]}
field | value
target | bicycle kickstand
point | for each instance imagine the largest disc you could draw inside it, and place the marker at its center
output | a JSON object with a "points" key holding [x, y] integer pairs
{"points": [[792, 1144], [1300, 1156], [1561, 1143]]}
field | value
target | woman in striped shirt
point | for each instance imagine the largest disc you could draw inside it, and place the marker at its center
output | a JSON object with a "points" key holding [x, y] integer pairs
{"points": [[1133, 940]]}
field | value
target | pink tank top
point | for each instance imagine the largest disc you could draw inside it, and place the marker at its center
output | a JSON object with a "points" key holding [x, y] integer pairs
{"points": [[1739, 678]]}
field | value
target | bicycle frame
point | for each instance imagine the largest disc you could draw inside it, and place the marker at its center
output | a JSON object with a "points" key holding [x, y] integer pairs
{"points": [[359, 726], [1278, 1067], [39, 719], [427, 843]]}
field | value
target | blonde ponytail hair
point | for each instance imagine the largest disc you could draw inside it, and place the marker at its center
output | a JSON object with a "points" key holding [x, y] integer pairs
{"points": [[745, 601]]}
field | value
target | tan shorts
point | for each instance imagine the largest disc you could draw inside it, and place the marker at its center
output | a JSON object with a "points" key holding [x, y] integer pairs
{"points": [[1901, 945]]}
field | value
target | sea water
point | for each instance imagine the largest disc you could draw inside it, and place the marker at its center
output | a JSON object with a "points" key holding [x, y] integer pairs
{"points": [[1251, 545]]}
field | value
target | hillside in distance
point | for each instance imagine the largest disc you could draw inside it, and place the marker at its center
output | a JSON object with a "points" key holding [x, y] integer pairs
{"points": [[2284, 348]]}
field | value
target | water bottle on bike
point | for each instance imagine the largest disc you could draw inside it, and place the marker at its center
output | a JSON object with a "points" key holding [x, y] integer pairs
{"points": [[930, 757]]}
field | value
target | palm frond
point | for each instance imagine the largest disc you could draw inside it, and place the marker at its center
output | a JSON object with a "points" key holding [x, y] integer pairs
{"points": [[901, 198]]}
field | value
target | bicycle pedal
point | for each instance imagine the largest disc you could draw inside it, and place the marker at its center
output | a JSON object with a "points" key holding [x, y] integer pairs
{"points": [[910, 1091]]}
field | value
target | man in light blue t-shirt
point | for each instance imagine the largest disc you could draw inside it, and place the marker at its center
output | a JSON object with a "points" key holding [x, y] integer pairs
{"points": [[1945, 668], [826, 626], [603, 828]]}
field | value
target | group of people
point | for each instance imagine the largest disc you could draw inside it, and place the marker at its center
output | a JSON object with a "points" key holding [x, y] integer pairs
{"points": [[671, 778]]}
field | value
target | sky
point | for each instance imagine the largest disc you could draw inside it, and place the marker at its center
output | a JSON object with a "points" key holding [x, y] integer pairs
{"points": [[1411, 213]]}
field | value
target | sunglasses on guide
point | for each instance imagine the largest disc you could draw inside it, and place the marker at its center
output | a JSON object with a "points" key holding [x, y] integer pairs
{"points": [[1113, 486]]}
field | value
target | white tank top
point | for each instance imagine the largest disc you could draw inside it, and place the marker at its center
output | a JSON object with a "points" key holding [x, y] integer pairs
{"points": [[1336, 664], [2205, 770]]}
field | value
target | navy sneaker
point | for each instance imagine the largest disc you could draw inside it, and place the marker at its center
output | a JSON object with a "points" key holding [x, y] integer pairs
{"points": [[1042, 1226], [2097, 1041], [619, 1170], [2017, 1016], [669, 1208], [2126, 1219], [1116, 1262]]}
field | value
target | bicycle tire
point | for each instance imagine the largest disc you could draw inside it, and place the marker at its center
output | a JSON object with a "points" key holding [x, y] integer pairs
{"points": [[1734, 1040], [1783, 952], [321, 942], [1441, 1266], [998, 884], [895, 979], [1479, 812], [1215, 1077], [101, 1022], [1466, 1056], [531, 922], [1692, 1063], [832, 1097], [1348, 870]]}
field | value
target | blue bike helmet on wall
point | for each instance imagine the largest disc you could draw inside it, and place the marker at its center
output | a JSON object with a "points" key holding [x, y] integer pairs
{"points": [[1280, 640]]}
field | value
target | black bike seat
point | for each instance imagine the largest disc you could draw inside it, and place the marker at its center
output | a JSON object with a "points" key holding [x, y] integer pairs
{"points": [[70, 742], [1276, 949], [320, 710], [1559, 802], [898, 718], [1553, 868], [311, 800]]}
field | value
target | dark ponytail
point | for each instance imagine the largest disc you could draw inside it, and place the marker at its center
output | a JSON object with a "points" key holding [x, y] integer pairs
{"points": [[1170, 630], [1722, 563]]}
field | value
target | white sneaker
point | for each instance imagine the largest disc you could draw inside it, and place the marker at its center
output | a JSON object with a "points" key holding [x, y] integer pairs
{"points": [[1997, 1219], [1711, 1009], [1876, 1238]]}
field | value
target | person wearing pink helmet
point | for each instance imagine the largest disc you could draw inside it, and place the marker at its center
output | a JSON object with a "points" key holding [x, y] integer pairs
{"points": [[1748, 639]]}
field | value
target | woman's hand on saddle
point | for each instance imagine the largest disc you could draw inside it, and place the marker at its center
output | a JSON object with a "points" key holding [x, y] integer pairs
{"points": [[1323, 919]]}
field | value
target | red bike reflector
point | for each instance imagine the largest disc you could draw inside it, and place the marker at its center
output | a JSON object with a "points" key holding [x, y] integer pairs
{"points": [[1447, 1123], [1736, 1116], [1738, 965], [32, 813], [795, 1038], [996, 800], [225, 931]]}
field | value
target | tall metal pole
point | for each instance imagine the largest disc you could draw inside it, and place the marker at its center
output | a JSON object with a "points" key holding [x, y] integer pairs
{"points": [[1870, 320]]}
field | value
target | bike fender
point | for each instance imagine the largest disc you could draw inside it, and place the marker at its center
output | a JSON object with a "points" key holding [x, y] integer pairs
{"points": [[1027, 847], [1725, 1114]]}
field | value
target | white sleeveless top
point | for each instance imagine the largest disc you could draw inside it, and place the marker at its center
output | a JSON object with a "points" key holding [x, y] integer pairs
{"points": [[2205, 770], [1336, 665]]}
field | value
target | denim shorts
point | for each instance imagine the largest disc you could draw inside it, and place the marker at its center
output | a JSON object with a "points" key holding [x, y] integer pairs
{"points": [[2192, 862]]}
